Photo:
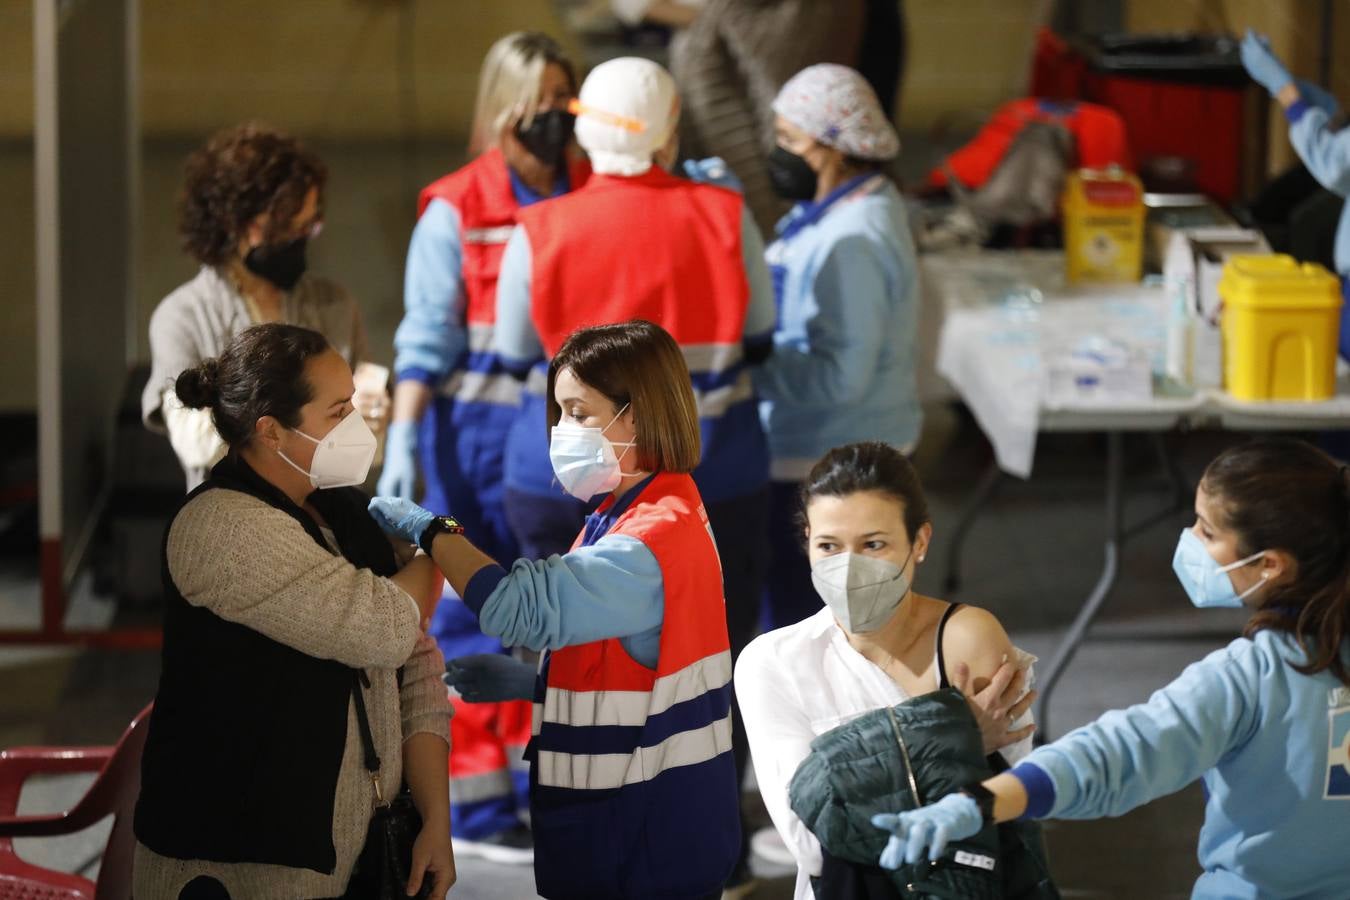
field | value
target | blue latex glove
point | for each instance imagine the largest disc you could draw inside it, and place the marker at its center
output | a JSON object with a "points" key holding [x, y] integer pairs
{"points": [[490, 678], [713, 170], [1319, 97], [400, 518], [399, 475], [953, 818], [1263, 65]]}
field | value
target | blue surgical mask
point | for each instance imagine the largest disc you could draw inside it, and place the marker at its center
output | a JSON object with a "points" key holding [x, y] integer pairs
{"points": [[1204, 580]]}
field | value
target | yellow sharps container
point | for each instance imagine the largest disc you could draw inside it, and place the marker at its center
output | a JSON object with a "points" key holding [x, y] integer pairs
{"points": [[1281, 320], [1103, 225]]}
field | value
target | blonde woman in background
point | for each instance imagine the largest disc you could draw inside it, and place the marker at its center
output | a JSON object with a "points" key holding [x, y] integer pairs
{"points": [[453, 402]]}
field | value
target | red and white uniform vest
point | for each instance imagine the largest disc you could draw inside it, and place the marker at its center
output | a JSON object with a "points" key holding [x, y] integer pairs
{"points": [[667, 250], [633, 787], [481, 194]]}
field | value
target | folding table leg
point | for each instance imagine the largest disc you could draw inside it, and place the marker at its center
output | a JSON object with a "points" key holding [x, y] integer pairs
{"points": [[1068, 645], [985, 489]]}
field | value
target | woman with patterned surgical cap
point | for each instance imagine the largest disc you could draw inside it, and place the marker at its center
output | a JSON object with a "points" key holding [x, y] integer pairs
{"points": [[845, 280]]}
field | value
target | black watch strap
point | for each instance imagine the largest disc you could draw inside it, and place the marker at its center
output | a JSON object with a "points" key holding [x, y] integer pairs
{"points": [[984, 799], [438, 525]]}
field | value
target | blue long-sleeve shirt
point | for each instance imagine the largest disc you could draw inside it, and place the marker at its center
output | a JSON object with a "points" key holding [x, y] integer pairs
{"points": [[432, 336], [1272, 746], [842, 368], [1326, 153], [610, 587]]}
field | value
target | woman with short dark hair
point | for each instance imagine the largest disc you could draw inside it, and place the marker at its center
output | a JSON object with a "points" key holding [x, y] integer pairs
{"points": [[289, 617], [252, 198], [633, 787]]}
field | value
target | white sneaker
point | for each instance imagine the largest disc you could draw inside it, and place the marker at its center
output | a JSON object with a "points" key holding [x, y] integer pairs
{"points": [[512, 847], [768, 845]]}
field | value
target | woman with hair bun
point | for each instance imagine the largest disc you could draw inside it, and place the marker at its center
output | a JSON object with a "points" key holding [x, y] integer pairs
{"points": [[289, 619], [252, 199]]}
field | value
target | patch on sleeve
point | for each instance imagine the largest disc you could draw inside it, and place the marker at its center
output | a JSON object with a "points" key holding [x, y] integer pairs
{"points": [[1338, 750]]}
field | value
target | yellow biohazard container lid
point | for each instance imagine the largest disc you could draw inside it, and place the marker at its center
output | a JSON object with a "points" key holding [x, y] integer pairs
{"points": [[1276, 280]]}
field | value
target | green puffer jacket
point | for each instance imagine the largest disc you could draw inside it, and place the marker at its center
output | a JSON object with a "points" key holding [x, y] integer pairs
{"points": [[899, 758]]}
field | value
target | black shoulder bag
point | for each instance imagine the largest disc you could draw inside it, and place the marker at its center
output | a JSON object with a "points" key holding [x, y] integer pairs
{"points": [[382, 869]]}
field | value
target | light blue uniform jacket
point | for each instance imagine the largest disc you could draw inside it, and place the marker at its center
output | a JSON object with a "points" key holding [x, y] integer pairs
{"points": [[1326, 153], [1270, 744], [842, 368]]}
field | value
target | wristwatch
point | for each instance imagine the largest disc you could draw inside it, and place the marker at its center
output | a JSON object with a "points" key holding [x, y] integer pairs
{"points": [[438, 525], [984, 799]]}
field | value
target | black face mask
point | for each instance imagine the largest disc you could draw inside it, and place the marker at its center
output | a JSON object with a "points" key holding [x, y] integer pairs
{"points": [[548, 134], [281, 264], [792, 178]]}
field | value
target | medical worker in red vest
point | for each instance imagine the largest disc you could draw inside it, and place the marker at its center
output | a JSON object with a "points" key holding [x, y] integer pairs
{"points": [[638, 242], [846, 282], [632, 779], [453, 402]]}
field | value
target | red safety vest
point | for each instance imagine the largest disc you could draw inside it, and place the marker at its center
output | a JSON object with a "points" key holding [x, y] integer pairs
{"points": [[667, 250], [634, 784], [653, 247], [481, 194]]}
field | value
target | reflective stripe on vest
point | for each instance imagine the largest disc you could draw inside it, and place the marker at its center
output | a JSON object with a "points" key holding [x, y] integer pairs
{"points": [[607, 771], [632, 708]]}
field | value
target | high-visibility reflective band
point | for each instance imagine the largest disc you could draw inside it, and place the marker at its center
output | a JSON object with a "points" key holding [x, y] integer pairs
{"points": [[714, 404], [480, 338], [479, 387], [515, 757], [476, 788], [499, 235], [711, 357], [632, 708], [607, 771]]}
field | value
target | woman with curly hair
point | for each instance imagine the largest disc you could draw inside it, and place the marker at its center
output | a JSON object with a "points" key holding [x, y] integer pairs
{"points": [[252, 198]]}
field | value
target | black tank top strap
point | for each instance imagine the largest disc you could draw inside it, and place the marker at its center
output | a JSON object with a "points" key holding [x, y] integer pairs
{"points": [[943, 681]]}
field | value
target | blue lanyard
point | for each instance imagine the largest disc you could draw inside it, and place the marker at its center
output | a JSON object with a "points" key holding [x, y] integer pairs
{"points": [[803, 216]]}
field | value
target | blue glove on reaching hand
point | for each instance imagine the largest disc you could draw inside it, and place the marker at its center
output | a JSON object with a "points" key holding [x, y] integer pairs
{"points": [[1318, 97], [400, 518], [399, 474], [1263, 65], [953, 818], [713, 170], [490, 678]]}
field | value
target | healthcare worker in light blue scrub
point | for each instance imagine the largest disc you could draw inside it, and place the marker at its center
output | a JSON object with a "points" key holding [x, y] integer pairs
{"points": [[1264, 722], [846, 284], [1324, 150]]}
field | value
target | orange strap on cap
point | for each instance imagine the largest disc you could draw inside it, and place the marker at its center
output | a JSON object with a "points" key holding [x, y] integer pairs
{"points": [[577, 108]]}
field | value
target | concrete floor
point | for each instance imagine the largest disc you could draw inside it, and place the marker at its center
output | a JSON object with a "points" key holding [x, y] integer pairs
{"points": [[1031, 557]]}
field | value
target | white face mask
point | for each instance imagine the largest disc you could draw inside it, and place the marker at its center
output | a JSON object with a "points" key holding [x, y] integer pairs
{"points": [[584, 461], [343, 457], [863, 592]]}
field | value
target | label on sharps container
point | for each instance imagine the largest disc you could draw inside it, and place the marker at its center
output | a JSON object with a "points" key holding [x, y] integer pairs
{"points": [[975, 860]]}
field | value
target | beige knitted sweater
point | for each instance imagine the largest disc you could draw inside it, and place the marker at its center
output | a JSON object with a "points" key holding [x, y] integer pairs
{"points": [[253, 564]]}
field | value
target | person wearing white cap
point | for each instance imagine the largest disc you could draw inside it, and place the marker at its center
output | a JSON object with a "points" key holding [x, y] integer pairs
{"points": [[845, 280], [639, 243]]}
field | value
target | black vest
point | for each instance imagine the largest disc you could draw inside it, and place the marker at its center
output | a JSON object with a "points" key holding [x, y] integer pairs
{"points": [[246, 739]]}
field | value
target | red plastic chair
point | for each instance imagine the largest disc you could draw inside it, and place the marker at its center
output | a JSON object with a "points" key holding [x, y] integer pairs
{"points": [[112, 793]]}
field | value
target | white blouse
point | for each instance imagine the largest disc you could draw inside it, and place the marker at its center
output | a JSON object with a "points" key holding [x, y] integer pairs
{"points": [[793, 685]]}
